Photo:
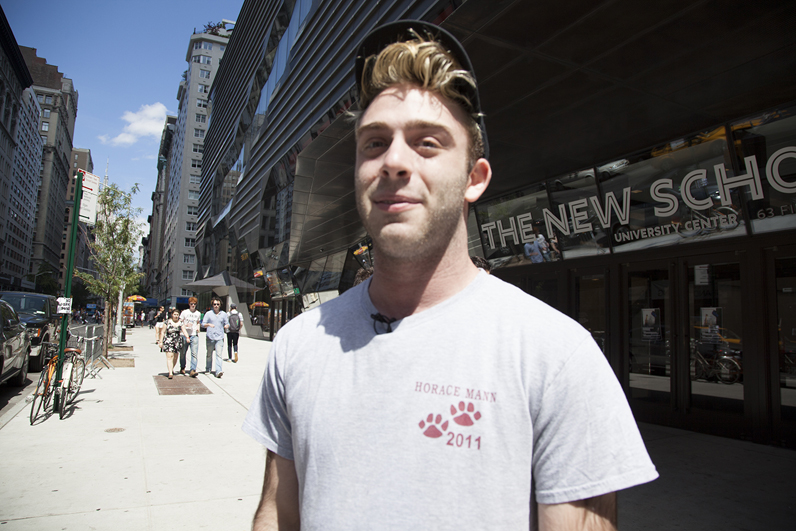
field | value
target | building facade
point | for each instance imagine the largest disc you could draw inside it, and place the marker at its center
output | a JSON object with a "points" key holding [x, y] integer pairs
{"points": [[27, 173], [644, 182], [204, 54], [154, 262], [58, 100], [17, 148]]}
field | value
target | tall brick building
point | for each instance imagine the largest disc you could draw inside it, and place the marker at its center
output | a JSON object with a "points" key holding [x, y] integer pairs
{"points": [[58, 100]]}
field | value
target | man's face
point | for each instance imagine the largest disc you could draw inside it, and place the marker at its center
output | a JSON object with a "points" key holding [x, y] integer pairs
{"points": [[411, 171], [216, 306]]}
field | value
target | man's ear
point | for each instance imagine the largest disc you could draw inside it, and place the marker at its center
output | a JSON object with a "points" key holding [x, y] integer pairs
{"points": [[478, 180]]}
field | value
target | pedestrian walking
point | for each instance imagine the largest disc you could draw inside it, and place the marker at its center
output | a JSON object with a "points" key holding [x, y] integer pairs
{"points": [[171, 341], [160, 324], [233, 333], [215, 323], [191, 320]]}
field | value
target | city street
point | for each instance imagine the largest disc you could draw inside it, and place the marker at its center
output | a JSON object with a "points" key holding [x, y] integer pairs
{"points": [[127, 457]]}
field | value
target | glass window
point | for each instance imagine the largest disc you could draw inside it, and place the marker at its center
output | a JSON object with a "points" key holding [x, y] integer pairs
{"points": [[196, 163], [45, 113], [195, 179], [45, 126], [671, 194], [204, 74], [207, 45], [40, 97], [197, 45], [190, 242], [188, 259], [198, 133], [187, 274], [201, 118], [765, 150], [193, 194], [198, 148], [191, 225], [513, 230], [48, 99], [330, 278], [193, 210], [203, 89], [186, 293], [202, 104]]}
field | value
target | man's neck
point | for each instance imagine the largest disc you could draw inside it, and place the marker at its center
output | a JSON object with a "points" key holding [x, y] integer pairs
{"points": [[401, 288]]}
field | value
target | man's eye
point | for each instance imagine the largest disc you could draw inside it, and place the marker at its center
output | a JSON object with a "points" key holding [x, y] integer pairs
{"points": [[428, 143]]}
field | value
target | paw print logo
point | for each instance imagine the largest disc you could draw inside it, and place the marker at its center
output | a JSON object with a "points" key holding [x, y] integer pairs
{"points": [[464, 418], [432, 422]]}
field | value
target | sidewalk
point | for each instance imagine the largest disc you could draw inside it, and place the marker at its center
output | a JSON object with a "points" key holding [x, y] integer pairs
{"points": [[127, 457]]}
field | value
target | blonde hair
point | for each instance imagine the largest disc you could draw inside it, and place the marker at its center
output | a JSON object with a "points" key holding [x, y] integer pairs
{"points": [[430, 66]]}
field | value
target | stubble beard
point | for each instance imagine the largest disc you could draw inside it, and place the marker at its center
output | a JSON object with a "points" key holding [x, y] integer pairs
{"points": [[398, 242]]}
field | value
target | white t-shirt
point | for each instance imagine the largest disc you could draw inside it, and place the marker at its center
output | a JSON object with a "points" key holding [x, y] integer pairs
{"points": [[191, 320], [457, 419]]}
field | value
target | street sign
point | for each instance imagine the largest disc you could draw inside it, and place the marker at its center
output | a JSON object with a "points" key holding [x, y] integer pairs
{"points": [[64, 305], [88, 204]]}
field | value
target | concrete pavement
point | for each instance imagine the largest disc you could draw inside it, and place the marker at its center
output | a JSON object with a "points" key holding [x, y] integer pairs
{"points": [[127, 457]]}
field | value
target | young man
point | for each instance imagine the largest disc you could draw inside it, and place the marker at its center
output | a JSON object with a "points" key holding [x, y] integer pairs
{"points": [[233, 333], [190, 320], [435, 396], [215, 323]]}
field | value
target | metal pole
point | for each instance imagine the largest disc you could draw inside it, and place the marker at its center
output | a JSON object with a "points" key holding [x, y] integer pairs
{"points": [[70, 266]]}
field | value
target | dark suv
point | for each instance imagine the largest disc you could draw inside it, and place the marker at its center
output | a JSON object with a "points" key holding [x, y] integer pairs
{"points": [[39, 312]]}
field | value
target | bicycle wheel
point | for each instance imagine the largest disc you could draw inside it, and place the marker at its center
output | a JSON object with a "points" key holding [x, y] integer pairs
{"points": [[78, 373], [47, 394], [38, 397], [699, 369], [728, 370]]}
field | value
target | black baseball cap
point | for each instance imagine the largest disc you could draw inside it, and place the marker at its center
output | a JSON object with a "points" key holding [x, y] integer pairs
{"points": [[401, 30]]}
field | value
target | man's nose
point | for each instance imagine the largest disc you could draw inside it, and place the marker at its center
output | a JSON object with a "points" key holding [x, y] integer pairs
{"points": [[397, 158]]}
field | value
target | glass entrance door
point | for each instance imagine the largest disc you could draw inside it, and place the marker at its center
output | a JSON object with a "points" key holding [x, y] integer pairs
{"points": [[784, 355], [683, 345], [715, 345], [589, 306], [649, 337]]}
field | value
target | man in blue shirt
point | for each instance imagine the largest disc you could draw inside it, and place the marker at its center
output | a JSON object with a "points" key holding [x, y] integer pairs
{"points": [[215, 323]]}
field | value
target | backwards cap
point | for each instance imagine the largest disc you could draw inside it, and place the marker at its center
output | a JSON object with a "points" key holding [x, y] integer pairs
{"points": [[402, 30]]}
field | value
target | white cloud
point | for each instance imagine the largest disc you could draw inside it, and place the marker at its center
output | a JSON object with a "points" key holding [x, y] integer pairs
{"points": [[148, 121]]}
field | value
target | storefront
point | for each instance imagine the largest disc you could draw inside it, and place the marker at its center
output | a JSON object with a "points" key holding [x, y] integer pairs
{"points": [[681, 261], [643, 181]]}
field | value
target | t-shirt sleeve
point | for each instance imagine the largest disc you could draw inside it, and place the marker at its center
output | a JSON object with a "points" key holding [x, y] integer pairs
{"points": [[586, 441], [267, 421]]}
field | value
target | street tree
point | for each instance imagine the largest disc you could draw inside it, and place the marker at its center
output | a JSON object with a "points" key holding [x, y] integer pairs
{"points": [[116, 237]]}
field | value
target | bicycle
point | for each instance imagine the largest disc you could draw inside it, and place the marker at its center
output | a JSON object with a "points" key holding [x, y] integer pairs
{"points": [[44, 388], [725, 369], [75, 368]]}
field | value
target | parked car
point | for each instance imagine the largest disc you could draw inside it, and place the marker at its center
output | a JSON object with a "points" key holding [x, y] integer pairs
{"points": [[39, 312], [15, 347]]}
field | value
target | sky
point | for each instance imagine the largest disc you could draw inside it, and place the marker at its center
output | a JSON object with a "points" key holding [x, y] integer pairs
{"points": [[126, 61]]}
